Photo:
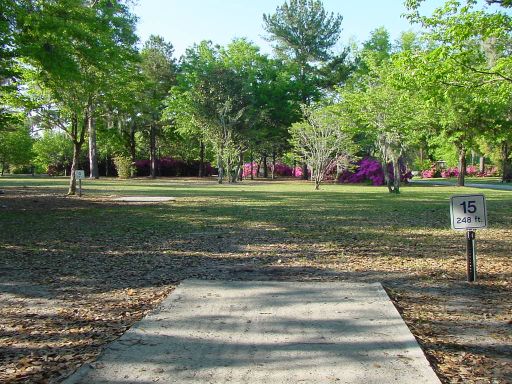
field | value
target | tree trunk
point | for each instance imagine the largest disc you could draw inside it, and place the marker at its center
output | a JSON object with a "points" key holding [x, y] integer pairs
{"points": [[252, 166], [304, 171], [3, 167], [240, 170], [506, 174], [93, 150], [152, 150], [265, 168], [339, 171], [201, 159], [317, 184], [387, 179], [133, 128], [74, 165], [396, 176], [462, 166], [220, 159], [273, 165], [294, 166], [78, 139], [481, 166], [106, 165]]}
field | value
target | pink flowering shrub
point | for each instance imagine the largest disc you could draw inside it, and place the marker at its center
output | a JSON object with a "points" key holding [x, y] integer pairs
{"points": [[298, 172], [471, 170], [450, 172], [428, 173], [280, 170], [370, 170], [489, 172], [246, 172]]}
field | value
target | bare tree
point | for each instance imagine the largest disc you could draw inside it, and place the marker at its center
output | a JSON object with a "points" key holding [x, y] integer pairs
{"points": [[321, 140]]}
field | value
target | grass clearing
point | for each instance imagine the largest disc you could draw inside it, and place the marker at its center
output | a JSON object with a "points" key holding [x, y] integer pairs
{"points": [[76, 273]]}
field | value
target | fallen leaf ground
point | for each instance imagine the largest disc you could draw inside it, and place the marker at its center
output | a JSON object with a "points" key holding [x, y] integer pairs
{"points": [[76, 273]]}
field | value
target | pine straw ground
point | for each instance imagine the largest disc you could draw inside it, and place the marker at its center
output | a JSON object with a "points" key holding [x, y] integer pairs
{"points": [[76, 273]]}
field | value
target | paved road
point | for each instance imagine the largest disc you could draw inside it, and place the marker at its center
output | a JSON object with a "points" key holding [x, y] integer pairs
{"points": [[266, 332], [501, 187]]}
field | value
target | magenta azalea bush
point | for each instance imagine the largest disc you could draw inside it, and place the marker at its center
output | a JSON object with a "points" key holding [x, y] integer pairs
{"points": [[369, 170], [450, 172], [446, 173], [428, 173], [489, 172], [472, 170], [280, 170]]}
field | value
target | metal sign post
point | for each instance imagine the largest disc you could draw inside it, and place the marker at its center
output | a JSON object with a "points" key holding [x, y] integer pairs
{"points": [[79, 175], [469, 212], [471, 255]]}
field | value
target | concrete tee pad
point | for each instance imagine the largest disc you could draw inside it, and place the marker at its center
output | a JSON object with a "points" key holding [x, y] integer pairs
{"points": [[144, 199], [266, 332]]}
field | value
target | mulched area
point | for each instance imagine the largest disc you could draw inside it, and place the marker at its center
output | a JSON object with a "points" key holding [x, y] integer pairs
{"points": [[63, 299]]}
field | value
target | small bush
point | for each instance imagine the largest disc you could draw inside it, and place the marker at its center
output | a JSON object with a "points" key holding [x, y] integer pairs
{"points": [[124, 166]]}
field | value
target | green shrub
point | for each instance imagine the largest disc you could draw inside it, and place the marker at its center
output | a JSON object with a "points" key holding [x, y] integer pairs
{"points": [[124, 166]]}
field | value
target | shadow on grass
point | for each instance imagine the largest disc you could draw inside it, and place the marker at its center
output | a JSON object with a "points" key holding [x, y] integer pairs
{"points": [[73, 250]]}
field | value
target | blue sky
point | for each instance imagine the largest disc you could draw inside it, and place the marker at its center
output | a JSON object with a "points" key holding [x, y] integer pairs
{"points": [[185, 22]]}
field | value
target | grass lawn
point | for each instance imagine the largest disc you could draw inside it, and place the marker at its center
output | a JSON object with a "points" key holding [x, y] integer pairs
{"points": [[76, 273]]}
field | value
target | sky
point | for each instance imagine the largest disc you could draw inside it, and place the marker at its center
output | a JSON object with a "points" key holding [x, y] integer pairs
{"points": [[185, 22]]}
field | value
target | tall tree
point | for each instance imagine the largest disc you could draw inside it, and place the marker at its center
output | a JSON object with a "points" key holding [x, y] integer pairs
{"points": [[470, 49], [386, 112], [304, 33], [158, 68], [71, 49]]}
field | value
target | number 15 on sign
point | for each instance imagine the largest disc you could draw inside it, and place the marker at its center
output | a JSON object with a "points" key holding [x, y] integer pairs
{"points": [[468, 212]]}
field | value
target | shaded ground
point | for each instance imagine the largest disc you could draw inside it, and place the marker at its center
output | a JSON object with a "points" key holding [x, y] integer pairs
{"points": [[76, 273]]}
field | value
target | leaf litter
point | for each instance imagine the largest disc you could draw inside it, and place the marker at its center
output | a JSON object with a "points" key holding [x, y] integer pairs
{"points": [[75, 274]]}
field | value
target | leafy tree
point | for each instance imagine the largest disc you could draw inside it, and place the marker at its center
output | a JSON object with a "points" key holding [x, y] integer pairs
{"points": [[304, 33], [71, 49], [469, 51], [15, 147], [384, 111], [322, 141], [215, 97], [158, 70], [52, 149]]}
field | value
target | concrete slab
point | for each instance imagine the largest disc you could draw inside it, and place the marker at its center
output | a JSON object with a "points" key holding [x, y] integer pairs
{"points": [[266, 332], [144, 199]]}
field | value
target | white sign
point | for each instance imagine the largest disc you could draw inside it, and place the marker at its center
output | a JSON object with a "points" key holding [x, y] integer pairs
{"points": [[80, 174], [468, 212]]}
